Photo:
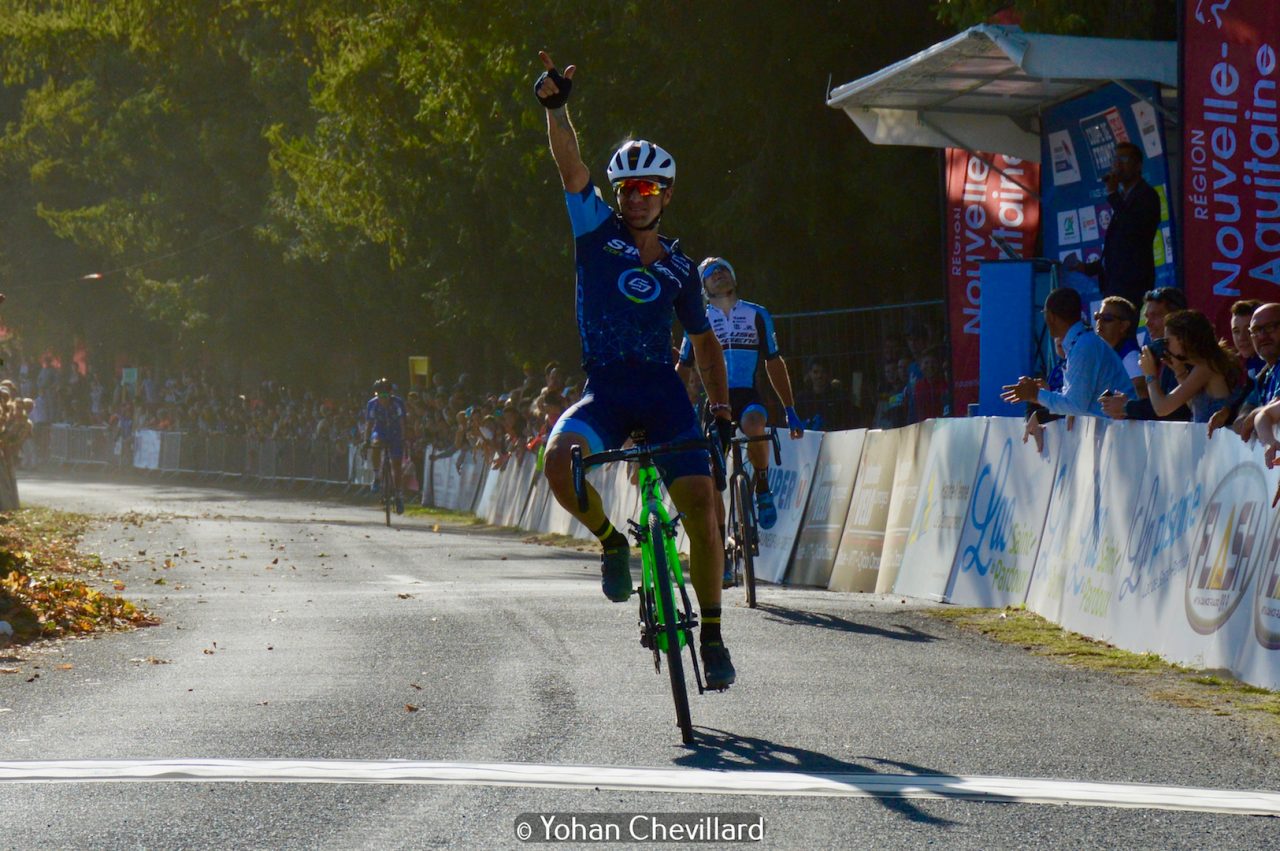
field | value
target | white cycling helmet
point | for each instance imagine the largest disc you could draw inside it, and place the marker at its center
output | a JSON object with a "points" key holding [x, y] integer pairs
{"points": [[644, 160]]}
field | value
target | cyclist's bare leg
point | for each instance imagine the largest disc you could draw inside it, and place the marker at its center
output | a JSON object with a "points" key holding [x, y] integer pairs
{"points": [[375, 455], [753, 423], [558, 468], [695, 497]]}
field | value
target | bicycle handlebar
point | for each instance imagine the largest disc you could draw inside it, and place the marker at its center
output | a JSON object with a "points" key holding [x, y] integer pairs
{"points": [[771, 436]]}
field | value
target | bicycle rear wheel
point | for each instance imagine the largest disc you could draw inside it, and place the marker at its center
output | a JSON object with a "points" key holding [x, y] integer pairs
{"points": [[671, 616], [745, 533]]}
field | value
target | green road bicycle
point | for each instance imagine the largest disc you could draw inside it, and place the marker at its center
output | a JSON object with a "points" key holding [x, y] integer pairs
{"points": [[667, 620], [742, 532]]}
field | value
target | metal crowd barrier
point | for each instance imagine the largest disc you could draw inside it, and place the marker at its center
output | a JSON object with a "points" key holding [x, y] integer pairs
{"points": [[213, 453]]}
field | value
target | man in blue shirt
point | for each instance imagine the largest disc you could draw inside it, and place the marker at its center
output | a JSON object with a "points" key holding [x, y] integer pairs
{"points": [[630, 281], [1093, 367]]}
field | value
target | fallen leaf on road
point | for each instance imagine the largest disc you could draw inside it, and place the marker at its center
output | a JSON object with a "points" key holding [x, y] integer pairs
{"points": [[415, 686], [149, 660], [67, 667], [405, 596], [276, 560], [118, 585], [409, 707], [10, 670]]}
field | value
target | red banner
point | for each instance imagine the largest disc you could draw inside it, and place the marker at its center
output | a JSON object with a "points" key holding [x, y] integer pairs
{"points": [[987, 201], [1231, 154]]}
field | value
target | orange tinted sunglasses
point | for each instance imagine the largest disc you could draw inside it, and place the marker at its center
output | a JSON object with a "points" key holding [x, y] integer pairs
{"points": [[646, 188]]}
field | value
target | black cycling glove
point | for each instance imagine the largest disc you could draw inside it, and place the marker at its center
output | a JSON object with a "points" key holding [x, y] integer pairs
{"points": [[558, 99], [725, 431]]}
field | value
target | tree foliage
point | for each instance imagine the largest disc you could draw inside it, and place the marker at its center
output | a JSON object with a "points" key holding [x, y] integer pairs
{"points": [[317, 188]]}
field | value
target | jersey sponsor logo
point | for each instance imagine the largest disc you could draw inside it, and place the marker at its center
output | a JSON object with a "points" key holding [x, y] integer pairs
{"points": [[639, 285], [621, 246]]}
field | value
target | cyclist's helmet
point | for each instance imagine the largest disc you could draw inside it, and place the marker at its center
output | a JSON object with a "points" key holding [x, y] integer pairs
{"points": [[708, 267], [641, 159], [382, 385]]}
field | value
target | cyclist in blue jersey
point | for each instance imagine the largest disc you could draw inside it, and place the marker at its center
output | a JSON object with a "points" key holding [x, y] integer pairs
{"points": [[746, 334], [384, 431], [630, 281]]}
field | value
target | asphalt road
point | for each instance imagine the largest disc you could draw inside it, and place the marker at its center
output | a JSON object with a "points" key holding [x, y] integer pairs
{"points": [[305, 630]]}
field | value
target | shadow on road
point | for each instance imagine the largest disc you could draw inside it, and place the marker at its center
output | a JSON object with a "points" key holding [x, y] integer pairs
{"points": [[780, 614], [720, 749]]}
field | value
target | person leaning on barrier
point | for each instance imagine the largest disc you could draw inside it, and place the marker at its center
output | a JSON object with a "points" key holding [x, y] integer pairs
{"points": [[1241, 317], [1262, 388], [1092, 367], [1214, 375], [1159, 304], [1116, 321]]}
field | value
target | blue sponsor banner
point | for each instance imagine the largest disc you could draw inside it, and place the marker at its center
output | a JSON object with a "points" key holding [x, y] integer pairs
{"points": [[1077, 147]]}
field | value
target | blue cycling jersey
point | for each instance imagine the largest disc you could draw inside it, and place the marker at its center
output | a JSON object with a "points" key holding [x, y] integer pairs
{"points": [[624, 307], [746, 334], [386, 419]]}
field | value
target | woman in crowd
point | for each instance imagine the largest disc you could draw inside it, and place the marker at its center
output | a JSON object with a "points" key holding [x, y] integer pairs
{"points": [[1208, 372]]}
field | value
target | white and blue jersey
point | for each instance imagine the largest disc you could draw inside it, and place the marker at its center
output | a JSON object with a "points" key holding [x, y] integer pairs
{"points": [[624, 307], [746, 334]]}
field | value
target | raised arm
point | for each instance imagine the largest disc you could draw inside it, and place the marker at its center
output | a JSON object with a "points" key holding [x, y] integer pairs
{"points": [[552, 91]]}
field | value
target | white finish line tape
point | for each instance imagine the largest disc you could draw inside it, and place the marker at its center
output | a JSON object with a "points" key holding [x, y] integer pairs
{"points": [[695, 780]]}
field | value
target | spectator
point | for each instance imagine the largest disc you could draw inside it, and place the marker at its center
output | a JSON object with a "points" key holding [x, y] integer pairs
{"points": [[1159, 304], [930, 394], [1264, 333], [891, 407], [1092, 367], [1241, 316], [1214, 373], [819, 394], [1127, 267], [1116, 322]]}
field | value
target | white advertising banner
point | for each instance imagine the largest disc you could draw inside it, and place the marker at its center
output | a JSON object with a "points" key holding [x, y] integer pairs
{"points": [[790, 482], [1074, 494], [1100, 527], [913, 450], [940, 509], [146, 450], [824, 516], [862, 541], [1002, 524]]}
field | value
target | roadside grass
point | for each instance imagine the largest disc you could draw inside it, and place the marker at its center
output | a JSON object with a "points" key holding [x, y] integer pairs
{"points": [[444, 515], [1209, 690], [41, 594]]}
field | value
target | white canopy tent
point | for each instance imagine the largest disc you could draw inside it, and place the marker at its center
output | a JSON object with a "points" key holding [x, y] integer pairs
{"points": [[984, 89]]}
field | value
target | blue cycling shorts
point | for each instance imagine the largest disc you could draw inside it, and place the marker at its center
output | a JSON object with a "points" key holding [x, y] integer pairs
{"points": [[392, 445], [619, 402]]}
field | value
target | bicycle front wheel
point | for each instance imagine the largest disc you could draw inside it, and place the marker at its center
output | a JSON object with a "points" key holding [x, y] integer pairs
{"points": [[670, 617], [746, 532]]}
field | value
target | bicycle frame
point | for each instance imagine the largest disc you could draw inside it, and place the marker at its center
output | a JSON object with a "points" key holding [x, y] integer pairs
{"points": [[651, 503]]}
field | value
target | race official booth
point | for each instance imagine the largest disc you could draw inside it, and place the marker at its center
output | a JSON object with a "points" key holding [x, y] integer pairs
{"points": [[1029, 124]]}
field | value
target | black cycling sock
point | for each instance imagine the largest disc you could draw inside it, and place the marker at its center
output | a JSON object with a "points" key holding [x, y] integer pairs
{"points": [[762, 481], [710, 632], [609, 536]]}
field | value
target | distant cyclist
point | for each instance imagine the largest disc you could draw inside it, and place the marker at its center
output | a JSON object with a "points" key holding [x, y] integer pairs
{"points": [[746, 334], [630, 282], [384, 431]]}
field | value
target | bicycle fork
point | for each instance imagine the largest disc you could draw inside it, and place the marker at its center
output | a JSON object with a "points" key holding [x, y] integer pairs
{"points": [[652, 617]]}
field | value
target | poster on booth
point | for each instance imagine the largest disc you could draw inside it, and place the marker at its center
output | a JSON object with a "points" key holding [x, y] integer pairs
{"points": [[146, 450], [987, 200], [1101, 527], [827, 508], [1005, 517], [858, 558], [1073, 492], [940, 508], [1080, 138], [1231, 154], [790, 483], [913, 449]]}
